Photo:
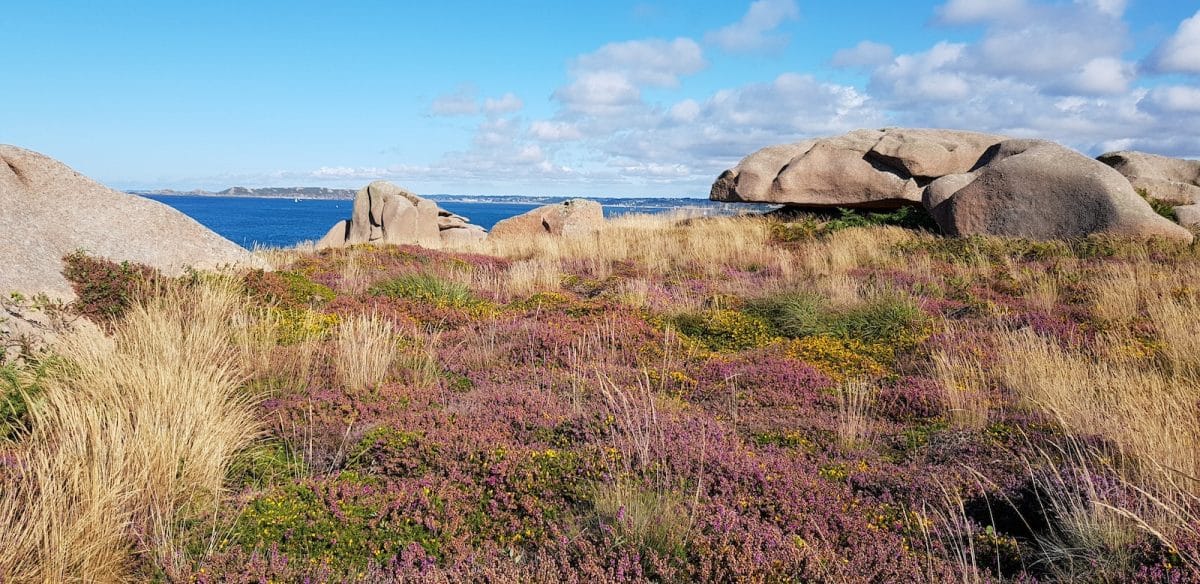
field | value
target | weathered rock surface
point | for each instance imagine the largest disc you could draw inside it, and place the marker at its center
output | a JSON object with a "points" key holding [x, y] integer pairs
{"points": [[865, 168], [384, 213], [1188, 215], [1171, 180], [29, 331], [1041, 190], [47, 210], [971, 183], [569, 218]]}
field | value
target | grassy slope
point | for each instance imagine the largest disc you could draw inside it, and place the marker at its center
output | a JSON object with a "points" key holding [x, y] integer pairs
{"points": [[725, 399]]}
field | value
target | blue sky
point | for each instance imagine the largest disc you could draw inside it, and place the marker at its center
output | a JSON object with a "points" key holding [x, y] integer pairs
{"points": [[622, 98]]}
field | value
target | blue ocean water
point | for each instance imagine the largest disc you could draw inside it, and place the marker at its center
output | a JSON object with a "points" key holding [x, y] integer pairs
{"points": [[278, 222]]}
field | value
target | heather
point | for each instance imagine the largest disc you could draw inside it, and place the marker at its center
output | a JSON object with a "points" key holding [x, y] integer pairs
{"points": [[805, 398]]}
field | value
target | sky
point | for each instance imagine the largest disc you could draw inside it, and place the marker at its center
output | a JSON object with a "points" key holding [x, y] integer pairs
{"points": [[585, 97]]}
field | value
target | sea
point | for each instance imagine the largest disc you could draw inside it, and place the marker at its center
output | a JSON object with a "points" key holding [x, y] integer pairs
{"points": [[284, 222]]}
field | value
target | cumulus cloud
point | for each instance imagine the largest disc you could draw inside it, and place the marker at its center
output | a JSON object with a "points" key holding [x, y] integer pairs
{"points": [[609, 80], [505, 104], [864, 54], [975, 11], [461, 102], [554, 131], [1174, 99], [756, 30], [1181, 52]]}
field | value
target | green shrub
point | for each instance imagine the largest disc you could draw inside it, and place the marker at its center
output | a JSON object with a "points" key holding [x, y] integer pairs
{"points": [[16, 392], [798, 314], [106, 289], [287, 289], [887, 319], [1162, 208], [426, 288]]}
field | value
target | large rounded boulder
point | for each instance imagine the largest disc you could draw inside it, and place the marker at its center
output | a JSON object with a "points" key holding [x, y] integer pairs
{"points": [[874, 169], [568, 218], [1175, 181], [47, 210], [1041, 190], [386, 214]]}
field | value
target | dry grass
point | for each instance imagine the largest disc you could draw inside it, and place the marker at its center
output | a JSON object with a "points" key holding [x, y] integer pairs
{"points": [[856, 400], [964, 389], [136, 435], [659, 243], [1089, 538], [648, 517], [354, 277], [280, 258], [366, 350], [1152, 416], [417, 356], [538, 274], [852, 248]]}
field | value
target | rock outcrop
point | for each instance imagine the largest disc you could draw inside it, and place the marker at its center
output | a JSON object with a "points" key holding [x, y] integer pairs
{"points": [[972, 183], [47, 210], [384, 213], [1175, 181], [569, 218], [879, 169], [1041, 190]]}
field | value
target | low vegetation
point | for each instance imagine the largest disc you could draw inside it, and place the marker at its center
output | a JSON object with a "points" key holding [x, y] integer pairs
{"points": [[807, 398]]}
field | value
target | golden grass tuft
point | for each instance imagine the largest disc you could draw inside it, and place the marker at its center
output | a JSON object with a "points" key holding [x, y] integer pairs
{"points": [[132, 437], [1151, 416], [659, 244], [366, 350], [856, 400], [964, 389]]}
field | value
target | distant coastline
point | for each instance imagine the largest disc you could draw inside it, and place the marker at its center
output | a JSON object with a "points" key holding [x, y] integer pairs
{"points": [[323, 193]]}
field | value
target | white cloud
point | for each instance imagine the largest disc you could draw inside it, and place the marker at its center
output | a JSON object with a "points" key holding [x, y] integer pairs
{"points": [[934, 75], [552, 131], [1175, 99], [608, 81], [461, 102], [1110, 7], [654, 62], [1181, 52], [864, 54], [975, 11], [756, 30], [684, 112], [1103, 75], [505, 104]]}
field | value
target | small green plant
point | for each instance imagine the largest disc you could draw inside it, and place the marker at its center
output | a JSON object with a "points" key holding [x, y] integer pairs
{"points": [[18, 387], [1162, 208], [426, 288], [890, 319]]}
